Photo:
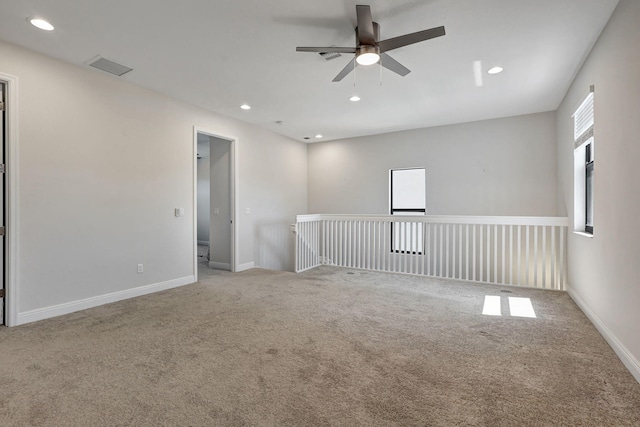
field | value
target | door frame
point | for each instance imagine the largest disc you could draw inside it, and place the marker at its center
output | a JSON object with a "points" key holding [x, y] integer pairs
{"points": [[233, 179], [10, 199]]}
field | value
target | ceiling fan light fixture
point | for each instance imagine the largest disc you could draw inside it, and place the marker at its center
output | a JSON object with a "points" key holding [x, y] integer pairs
{"points": [[368, 55]]}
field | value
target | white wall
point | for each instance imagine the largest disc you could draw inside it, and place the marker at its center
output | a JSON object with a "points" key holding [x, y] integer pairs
{"points": [[604, 273], [204, 188], [493, 167], [102, 165]]}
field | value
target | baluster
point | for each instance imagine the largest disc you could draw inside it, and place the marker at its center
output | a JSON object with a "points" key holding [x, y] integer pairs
{"points": [[454, 249], [528, 262], [535, 256], [481, 261], [502, 276], [544, 257], [553, 277], [473, 248], [430, 249], [495, 253], [446, 266], [440, 257], [562, 259], [511, 255]]}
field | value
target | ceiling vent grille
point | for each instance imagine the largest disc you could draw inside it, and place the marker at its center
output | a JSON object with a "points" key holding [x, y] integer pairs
{"points": [[328, 56], [109, 66]]}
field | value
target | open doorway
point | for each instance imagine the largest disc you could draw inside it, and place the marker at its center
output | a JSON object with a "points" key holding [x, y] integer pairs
{"points": [[214, 201], [2, 202], [8, 184]]}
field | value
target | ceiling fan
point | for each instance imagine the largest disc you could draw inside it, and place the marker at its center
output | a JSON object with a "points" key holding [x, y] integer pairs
{"points": [[370, 50]]}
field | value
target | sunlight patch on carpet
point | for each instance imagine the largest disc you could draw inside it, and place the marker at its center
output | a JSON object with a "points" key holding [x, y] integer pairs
{"points": [[492, 306], [521, 307], [518, 307]]}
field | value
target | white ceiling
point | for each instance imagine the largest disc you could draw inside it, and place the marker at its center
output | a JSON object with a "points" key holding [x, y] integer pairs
{"points": [[218, 54]]}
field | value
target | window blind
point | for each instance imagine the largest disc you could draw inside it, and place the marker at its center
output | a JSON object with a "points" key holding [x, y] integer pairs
{"points": [[583, 120]]}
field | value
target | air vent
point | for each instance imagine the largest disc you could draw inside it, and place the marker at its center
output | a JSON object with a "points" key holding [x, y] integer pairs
{"points": [[109, 66], [328, 56]]}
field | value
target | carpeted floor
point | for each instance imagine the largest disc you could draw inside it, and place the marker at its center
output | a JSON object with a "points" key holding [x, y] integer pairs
{"points": [[327, 347]]}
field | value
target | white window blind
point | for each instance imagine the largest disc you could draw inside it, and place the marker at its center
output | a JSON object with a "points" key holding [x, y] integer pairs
{"points": [[583, 120]]}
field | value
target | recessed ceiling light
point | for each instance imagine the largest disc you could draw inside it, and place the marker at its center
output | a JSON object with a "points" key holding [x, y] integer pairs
{"points": [[354, 98], [245, 107], [41, 23], [495, 70], [318, 136]]}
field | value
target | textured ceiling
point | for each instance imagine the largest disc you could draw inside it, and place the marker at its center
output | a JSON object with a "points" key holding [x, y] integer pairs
{"points": [[219, 54]]}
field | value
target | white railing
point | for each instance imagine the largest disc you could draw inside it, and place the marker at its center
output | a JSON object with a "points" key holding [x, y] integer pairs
{"points": [[521, 251], [308, 244]]}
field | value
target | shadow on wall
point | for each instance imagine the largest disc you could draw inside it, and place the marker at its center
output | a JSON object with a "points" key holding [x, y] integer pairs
{"points": [[275, 246]]}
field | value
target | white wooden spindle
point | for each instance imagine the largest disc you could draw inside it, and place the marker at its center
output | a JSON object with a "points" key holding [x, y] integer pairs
{"points": [[473, 248], [535, 256], [519, 276], [495, 254], [554, 279], [502, 276], [481, 260], [544, 257]]}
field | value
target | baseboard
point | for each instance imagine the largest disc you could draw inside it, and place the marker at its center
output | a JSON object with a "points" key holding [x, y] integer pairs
{"points": [[625, 356], [73, 306], [203, 243], [220, 265], [245, 266]]}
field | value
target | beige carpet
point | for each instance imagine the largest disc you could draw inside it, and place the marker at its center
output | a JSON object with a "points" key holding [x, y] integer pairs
{"points": [[328, 347]]}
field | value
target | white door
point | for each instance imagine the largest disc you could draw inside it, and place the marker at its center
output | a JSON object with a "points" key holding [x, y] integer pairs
{"points": [[2, 204]]}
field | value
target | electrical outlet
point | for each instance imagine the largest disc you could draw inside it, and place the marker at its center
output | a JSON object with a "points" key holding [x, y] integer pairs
{"points": [[247, 211], [140, 268]]}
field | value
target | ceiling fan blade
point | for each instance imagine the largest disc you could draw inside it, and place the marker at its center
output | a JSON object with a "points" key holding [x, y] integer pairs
{"points": [[327, 49], [366, 35], [391, 64], [407, 39], [346, 70]]}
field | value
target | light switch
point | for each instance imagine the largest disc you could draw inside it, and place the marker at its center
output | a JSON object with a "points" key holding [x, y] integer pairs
{"points": [[247, 211], [179, 212], [216, 211]]}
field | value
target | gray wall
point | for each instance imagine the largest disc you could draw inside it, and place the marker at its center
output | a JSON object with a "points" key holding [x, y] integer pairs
{"points": [[102, 165], [493, 167], [604, 273], [220, 215]]}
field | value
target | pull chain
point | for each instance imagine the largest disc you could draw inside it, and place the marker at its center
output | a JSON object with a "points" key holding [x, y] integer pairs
{"points": [[354, 73]]}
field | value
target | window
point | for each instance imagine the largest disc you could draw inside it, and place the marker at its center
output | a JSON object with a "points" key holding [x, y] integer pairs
{"points": [[589, 189], [583, 159], [408, 197]]}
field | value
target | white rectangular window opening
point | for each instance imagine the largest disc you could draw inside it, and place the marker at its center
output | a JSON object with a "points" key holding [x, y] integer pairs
{"points": [[407, 197], [583, 166]]}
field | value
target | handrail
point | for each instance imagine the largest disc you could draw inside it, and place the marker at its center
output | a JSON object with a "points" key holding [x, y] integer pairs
{"points": [[446, 219]]}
